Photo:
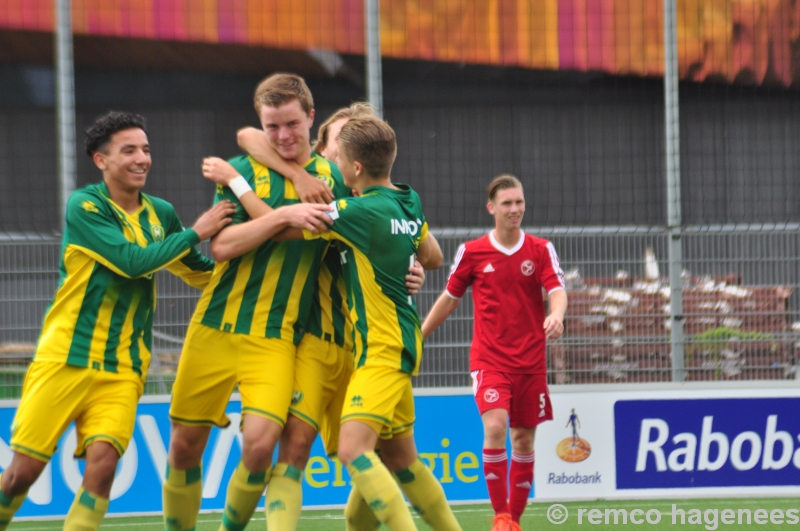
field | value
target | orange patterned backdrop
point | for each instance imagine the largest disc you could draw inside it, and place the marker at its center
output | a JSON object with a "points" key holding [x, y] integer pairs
{"points": [[747, 41]]}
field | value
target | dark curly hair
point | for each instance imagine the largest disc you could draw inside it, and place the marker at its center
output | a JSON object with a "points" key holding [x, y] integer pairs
{"points": [[99, 134]]}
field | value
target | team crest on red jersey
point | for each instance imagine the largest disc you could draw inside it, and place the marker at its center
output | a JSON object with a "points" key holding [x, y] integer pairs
{"points": [[491, 395], [527, 268]]}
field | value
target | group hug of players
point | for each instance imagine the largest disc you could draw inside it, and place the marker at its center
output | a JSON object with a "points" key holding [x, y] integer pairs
{"points": [[307, 310]]}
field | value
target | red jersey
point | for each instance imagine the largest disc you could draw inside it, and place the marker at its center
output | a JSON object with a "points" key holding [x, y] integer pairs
{"points": [[507, 284]]}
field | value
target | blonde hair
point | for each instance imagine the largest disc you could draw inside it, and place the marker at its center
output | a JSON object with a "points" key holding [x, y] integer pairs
{"points": [[280, 89], [355, 110], [501, 182], [370, 141]]}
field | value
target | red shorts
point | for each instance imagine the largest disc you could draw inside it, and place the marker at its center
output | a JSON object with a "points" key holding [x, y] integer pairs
{"points": [[524, 396]]}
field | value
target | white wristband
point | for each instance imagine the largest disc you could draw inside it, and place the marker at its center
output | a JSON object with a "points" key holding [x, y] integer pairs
{"points": [[239, 186]]}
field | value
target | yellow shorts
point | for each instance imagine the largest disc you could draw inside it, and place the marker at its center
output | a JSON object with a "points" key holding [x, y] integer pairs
{"points": [[381, 397], [102, 404], [213, 363], [321, 373]]}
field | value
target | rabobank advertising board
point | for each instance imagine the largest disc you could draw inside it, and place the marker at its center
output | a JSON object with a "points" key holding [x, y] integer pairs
{"points": [[605, 442], [673, 441]]}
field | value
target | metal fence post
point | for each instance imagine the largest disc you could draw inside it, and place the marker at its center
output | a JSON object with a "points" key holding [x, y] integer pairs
{"points": [[674, 220], [65, 104], [373, 56]]}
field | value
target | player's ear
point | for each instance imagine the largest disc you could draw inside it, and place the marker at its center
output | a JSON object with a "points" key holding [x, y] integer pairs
{"points": [[490, 207], [99, 160], [359, 168], [311, 114]]}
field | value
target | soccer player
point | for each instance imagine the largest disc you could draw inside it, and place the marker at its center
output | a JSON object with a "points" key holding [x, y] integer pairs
{"points": [[380, 232], [251, 316], [507, 270], [92, 357], [325, 355]]}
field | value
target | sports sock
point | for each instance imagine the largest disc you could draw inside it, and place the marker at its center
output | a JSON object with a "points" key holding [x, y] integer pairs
{"points": [[357, 514], [521, 479], [244, 492], [381, 493], [182, 494], [427, 496], [284, 498], [8, 507], [86, 513], [495, 470]]}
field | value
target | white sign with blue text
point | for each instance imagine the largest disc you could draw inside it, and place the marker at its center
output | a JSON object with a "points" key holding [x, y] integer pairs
{"points": [[679, 442]]}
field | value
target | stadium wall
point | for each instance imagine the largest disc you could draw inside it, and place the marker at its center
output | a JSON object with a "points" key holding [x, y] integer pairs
{"points": [[588, 147]]}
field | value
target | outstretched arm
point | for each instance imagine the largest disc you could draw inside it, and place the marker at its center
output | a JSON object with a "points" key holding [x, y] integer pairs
{"points": [[441, 310], [237, 240], [310, 189]]}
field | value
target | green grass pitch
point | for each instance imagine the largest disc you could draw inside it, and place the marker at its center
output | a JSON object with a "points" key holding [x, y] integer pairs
{"points": [[476, 517]]}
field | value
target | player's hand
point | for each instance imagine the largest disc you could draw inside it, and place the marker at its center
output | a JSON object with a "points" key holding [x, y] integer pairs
{"points": [[214, 219], [553, 327], [415, 278], [312, 190], [308, 216], [219, 171]]}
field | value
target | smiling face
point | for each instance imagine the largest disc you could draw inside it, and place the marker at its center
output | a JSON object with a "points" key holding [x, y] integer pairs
{"points": [[507, 207], [288, 129], [125, 161]]}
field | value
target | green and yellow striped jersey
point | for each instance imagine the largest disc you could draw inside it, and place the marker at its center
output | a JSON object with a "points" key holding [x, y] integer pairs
{"points": [[329, 318], [379, 234], [267, 292], [102, 313]]}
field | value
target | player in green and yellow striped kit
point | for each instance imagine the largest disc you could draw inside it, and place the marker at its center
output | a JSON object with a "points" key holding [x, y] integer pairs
{"points": [[380, 233], [250, 318], [92, 357]]}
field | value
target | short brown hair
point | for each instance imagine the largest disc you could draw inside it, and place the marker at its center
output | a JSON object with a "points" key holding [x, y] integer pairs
{"points": [[370, 141], [501, 182], [280, 89], [358, 108]]}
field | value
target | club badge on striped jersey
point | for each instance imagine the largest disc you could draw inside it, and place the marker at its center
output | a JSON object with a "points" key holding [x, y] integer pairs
{"points": [[157, 232]]}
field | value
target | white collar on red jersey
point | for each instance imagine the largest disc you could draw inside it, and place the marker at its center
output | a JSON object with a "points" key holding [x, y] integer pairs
{"points": [[507, 252]]}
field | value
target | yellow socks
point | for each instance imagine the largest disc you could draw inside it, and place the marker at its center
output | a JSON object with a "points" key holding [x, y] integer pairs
{"points": [[182, 494], [381, 493], [244, 492], [427, 496], [357, 514], [284, 498], [86, 513], [8, 507]]}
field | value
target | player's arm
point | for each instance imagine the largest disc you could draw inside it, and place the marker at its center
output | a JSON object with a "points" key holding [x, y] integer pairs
{"points": [[194, 268], [444, 306], [310, 189], [239, 239], [429, 253], [222, 172], [554, 323], [96, 233]]}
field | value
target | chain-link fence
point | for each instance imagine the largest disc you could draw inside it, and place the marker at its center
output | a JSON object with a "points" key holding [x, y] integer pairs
{"points": [[741, 310]]}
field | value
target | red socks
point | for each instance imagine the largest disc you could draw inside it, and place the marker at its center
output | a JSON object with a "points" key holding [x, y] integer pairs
{"points": [[521, 481], [495, 470]]}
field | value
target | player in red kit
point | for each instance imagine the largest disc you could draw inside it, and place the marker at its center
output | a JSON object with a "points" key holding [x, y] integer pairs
{"points": [[507, 270]]}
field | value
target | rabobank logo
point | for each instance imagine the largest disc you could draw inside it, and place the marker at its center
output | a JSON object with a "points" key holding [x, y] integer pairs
{"points": [[707, 442]]}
